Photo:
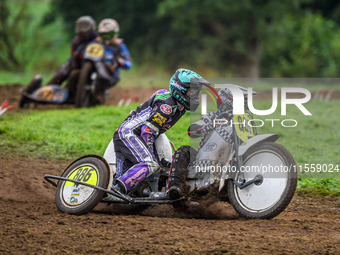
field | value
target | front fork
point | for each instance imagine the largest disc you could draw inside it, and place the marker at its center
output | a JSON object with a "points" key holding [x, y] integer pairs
{"points": [[238, 160], [241, 180]]}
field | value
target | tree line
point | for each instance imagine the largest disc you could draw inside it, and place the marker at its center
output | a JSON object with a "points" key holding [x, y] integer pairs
{"points": [[244, 38]]}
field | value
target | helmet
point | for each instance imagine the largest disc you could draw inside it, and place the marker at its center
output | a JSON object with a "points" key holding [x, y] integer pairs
{"points": [[85, 26], [108, 29], [185, 86], [227, 100]]}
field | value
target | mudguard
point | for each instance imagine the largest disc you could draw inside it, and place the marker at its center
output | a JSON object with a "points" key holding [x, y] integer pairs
{"points": [[256, 140], [110, 156], [163, 147], [96, 53], [102, 71]]}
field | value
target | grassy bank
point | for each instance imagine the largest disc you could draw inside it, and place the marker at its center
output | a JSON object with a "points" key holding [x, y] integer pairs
{"points": [[66, 134]]}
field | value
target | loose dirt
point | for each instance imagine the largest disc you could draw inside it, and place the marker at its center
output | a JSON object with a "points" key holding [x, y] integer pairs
{"points": [[30, 222]]}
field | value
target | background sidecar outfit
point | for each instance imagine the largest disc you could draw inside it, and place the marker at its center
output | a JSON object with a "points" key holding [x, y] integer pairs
{"points": [[85, 29], [134, 138], [117, 55]]}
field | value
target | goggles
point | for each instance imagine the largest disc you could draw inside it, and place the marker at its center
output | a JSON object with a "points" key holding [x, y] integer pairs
{"points": [[107, 35]]}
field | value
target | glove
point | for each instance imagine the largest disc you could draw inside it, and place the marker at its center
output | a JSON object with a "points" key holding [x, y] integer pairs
{"points": [[148, 136], [208, 125], [206, 129], [120, 62]]}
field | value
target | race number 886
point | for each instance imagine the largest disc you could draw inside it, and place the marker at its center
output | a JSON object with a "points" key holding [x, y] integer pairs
{"points": [[83, 174]]}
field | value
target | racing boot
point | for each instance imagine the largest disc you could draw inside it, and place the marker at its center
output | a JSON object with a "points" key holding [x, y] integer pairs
{"points": [[119, 172], [119, 187], [177, 185], [136, 174], [32, 86]]}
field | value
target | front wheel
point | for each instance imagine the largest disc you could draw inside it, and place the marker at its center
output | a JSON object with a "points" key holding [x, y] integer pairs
{"points": [[269, 197], [83, 94], [79, 199]]}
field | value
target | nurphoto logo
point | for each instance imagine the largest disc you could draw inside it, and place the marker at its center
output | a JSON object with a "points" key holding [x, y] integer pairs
{"points": [[239, 94]]}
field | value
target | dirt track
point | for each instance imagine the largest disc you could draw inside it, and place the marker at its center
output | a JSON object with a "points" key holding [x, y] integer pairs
{"points": [[30, 223]]}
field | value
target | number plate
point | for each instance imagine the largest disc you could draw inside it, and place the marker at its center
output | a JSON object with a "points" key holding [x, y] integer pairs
{"points": [[75, 194], [45, 94], [243, 130], [94, 51]]}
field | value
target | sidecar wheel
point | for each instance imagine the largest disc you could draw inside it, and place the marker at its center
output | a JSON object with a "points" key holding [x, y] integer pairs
{"points": [[266, 199], [79, 199]]}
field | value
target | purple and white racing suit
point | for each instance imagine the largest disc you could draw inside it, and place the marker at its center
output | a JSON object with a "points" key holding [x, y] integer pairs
{"points": [[134, 138]]}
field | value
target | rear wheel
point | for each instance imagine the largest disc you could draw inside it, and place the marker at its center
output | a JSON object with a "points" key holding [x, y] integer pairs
{"points": [[83, 94], [79, 199], [269, 197]]}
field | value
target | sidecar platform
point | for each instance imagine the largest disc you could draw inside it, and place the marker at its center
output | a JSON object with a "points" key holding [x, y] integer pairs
{"points": [[113, 195], [49, 94]]}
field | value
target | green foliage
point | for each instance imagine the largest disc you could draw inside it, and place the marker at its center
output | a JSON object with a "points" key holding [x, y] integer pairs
{"points": [[302, 46], [139, 26], [245, 38], [219, 31], [219, 35], [25, 44]]}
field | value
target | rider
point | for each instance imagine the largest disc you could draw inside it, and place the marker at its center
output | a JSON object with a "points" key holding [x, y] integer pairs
{"points": [[134, 138], [85, 29], [117, 55]]}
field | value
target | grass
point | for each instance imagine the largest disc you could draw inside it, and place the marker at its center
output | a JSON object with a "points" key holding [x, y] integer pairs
{"points": [[71, 133], [315, 139], [15, 78], [67, 134], [133, 78], [319, 186]]}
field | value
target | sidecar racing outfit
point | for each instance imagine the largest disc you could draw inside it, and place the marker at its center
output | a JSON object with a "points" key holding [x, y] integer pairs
{"points": [[70, 70]]}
